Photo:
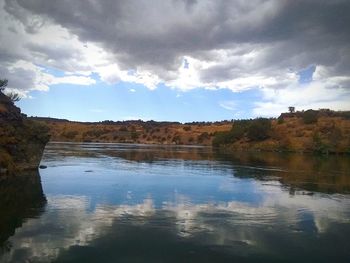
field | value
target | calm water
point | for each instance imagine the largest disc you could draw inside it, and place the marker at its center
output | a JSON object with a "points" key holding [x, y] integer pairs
{"points": [[137, 203]]}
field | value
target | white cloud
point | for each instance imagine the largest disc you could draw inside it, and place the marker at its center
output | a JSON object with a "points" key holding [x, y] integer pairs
{"points": [[314, 95], [202, 44], [68, 220], [228, 105]]}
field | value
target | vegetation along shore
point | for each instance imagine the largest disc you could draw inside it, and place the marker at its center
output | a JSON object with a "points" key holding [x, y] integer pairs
{"points": [[320, 131]]}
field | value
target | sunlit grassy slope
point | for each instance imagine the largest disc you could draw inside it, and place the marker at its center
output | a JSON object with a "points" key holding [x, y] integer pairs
{"points": [[315, 131]]}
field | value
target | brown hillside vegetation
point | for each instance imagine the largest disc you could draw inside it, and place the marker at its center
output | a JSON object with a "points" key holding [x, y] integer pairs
{"points": [[322, 131], [150, 132]]}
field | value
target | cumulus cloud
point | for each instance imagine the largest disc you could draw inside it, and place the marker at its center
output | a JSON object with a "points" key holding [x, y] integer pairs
{"points": [[236, 45], [316, 95]]}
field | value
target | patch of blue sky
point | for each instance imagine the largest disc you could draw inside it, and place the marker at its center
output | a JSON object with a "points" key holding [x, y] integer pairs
{"points": [[124, 101], [52, 71], [306, 74]]}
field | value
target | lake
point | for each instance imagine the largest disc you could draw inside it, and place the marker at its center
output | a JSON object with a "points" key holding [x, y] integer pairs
{"points": [[100, 202]]}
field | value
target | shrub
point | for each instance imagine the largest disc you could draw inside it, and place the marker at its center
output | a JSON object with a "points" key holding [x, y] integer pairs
{"points": [[239, 129], [14, 97], [318, 145], [3, 84], [187, 128], [310, 116], [134, 135], [255, 130], [222, 138], [177, 139], [259, 129], [70, 134], [203, 136]]}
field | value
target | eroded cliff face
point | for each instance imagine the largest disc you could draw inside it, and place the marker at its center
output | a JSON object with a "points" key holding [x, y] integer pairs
{"points": [[22, 141]]}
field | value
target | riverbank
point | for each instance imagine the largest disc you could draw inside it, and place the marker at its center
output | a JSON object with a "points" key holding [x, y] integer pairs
{"points": [[322, 131], [143, 132], [22, 141]]}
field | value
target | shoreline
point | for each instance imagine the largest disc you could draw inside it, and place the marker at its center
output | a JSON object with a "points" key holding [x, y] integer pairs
{"points": [[221, 149]]}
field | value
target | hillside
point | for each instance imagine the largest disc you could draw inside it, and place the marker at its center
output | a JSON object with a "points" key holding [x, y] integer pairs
{"points": [[322, 131], [150, 132]]}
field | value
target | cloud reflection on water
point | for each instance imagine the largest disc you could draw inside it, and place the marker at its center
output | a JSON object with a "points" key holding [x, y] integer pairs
{"points": [[194, 205], [68, 221]]}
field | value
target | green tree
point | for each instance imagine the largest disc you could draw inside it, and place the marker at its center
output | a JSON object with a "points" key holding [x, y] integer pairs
{"points": [[222, 138], [239, 128], [259, 129]]}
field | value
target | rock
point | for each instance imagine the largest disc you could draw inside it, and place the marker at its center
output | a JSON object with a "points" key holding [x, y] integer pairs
{"points": [[22, 141], [42, 166]]}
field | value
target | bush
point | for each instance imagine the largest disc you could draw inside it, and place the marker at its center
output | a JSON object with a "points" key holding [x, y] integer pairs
{"points": [[318, 145], [310, 116], [203, 136], [134, 135], [255, 130], [222, 138], [239, 129], [259, 129], [70, 134], [177, 139], [187, 128]]}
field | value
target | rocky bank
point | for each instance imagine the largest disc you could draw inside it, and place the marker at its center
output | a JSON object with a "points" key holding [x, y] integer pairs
{"points": [[22, 141]]}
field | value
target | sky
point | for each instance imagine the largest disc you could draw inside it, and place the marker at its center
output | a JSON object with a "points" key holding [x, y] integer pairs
{"points": [[175, 60]]}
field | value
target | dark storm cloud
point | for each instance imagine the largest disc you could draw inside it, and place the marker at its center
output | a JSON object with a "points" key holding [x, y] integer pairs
{"points": [[288, 34], [21, 83]]}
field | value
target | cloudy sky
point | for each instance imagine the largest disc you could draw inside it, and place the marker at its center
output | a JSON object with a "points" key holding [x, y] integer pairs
{"points": [[181, 60]]}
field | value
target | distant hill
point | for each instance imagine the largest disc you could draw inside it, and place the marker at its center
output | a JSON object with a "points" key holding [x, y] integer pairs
{"points": [[134, 131], [321, 131]]}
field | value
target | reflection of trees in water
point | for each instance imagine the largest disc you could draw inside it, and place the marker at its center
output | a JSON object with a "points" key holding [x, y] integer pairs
{"points": [[21, 197], [328, 174], [151, 155], [130, 152]]}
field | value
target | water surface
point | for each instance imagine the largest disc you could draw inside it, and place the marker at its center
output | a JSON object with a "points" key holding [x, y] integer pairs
{"points": [[146, 203]]}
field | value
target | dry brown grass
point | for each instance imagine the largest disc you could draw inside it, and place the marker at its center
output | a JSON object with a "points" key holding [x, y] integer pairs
{"points": [[135, 133], [331, 133]]}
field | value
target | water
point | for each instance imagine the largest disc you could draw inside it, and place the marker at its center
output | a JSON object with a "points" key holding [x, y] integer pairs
{"points": [[138, 203]]}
